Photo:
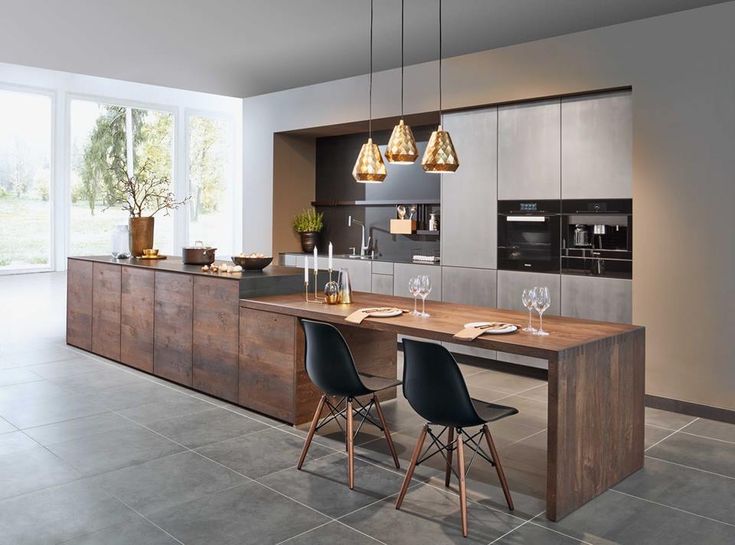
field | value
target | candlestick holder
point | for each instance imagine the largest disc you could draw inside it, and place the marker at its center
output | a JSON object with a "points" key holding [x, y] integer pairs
{"points": [[306, 291], [331, 291], [317, 299]]}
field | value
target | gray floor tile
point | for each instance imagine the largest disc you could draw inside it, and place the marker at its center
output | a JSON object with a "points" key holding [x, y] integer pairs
{"points": [[115, 449], [167, 482], [698, 452], [666, 419], [653, 435], [15, 442], [202, 428], [495, 380], [93, 381], [32, 469], [58, 514], [261, 453], [17, 375], [41, 355], [539, 394], [624, 520], [41, 408], [530, 534], [179, 406], [247, 514], [66, 368], [486, 394], [322, 484], [136, 532], [429, 515], [126, 396], [713, 429], [689, 489], [6, 427], [78, 428], [331, 534]]}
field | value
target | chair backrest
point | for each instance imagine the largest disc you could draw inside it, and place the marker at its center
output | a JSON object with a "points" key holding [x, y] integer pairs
{"points": [[434, 386], [329, 362]]}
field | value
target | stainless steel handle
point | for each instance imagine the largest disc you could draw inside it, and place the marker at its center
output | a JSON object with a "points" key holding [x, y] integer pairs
{"points": [[535, 219]]}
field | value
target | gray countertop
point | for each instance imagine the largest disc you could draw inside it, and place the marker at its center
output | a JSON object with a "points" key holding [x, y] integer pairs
{"points": [[380, 259]]}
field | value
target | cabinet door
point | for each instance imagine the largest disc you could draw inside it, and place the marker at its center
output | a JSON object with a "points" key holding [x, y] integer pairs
{"points": [[79, 303], [469, 287], [360, 272], [529, 143], [136, 318], [597, 147], [592, 298], [403, 271], [383, 284], [469, 196], [215, 330], [172, 355], [106, 310]]}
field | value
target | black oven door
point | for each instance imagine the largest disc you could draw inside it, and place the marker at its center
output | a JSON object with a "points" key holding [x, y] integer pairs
{"points": [[529, 242]]}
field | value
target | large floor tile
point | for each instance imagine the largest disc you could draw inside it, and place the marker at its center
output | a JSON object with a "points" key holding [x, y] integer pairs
{"points": [[263, 452], [666, 419], [136, 532], [429, 515], [78, 428], [67, 368], [25, 410], [689, 489], [46, 354], [167, 482], [332, 534], [712, 429], [126, 396], [624, 520], [531, 534], [495, 380], [58, 514], [180, 405], [94, 381], [653, 435], [15, 441], [322, 484], [247, 514], [699, 452], [202, 428], [6, 427], [115, 449], [32, 469], [17, 375]]}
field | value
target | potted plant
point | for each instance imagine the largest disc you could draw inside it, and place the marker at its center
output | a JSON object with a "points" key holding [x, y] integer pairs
{"points": [[308, 224]]}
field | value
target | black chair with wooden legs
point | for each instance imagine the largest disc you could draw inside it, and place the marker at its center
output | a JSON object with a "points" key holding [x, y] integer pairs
{"points": [[435, 389], [331, 367]]}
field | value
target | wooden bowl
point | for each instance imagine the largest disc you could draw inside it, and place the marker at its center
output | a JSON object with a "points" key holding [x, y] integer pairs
{"points": [[252, 263]]}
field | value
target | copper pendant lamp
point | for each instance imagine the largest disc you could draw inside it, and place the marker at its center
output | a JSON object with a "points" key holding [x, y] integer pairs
{"points": [[369, 167], [440, 155], [401, 149]]}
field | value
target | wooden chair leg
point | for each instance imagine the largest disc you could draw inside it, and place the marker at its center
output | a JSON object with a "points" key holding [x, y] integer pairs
{"points": [[498, 467], [312, 430], [386, 431], [462, 485], [350, 447], [450, 440], [412, 465]]}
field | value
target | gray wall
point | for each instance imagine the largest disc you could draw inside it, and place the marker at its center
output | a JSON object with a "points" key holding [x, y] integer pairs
{"points": [[680, 68]]}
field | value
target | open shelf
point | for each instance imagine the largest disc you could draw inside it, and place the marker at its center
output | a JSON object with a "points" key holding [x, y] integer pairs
{"points": [[375, 202]]}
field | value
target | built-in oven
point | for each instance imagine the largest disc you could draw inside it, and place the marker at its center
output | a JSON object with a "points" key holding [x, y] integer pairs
{"points": [[529, 235], [597, 237]]}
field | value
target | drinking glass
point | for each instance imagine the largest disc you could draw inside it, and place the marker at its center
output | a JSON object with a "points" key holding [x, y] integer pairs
{"points": [[424, 291], [543, 301], [414, 286], [528, 298]]}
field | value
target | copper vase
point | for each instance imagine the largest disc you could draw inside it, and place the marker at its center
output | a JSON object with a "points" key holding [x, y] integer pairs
{"points": [[141, 235]]}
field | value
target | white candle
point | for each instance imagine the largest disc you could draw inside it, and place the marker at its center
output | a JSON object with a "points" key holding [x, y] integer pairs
{"points": [[316, 264], [306, 269], [330, 256]]}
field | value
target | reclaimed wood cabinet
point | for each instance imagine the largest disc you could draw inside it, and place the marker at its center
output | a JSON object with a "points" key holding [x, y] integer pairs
{"points": [[106, 285], [136, 318], [172, 339], [79, 304]]}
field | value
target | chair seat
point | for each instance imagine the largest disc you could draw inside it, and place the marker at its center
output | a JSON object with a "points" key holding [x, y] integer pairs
{"points": [[490, 412], [376, 384]]}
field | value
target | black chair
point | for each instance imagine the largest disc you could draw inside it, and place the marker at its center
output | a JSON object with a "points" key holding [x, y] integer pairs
{"points": [[435, 389], [331, 368]]}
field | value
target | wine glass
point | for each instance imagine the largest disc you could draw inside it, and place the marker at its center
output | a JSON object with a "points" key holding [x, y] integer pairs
{"points": [[543, 301], [528, 298], [414, 286], [424, 291]]}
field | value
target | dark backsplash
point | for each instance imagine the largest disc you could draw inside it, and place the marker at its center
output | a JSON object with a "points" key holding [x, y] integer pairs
{"points": [[405, 184]]}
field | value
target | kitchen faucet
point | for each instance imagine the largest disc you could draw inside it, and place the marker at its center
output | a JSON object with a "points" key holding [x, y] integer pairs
{"points": [[363, 246]]}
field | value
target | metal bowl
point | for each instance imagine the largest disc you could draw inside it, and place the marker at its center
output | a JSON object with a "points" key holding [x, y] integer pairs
{"points": [[252, 263]]}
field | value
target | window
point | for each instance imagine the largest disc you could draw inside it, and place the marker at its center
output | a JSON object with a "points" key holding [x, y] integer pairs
{"points": [[25, 180], [210, 177], [107, 142]]}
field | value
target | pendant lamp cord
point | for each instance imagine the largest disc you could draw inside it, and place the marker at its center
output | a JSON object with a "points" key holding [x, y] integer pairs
{"points": [[370, 92], [440, 61], [402, 40]]}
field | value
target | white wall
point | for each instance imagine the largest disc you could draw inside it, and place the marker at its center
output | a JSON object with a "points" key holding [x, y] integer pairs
{"points": [[681, 69]]}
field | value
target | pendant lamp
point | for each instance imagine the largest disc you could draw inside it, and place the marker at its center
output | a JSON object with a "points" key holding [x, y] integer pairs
{"points": [[401, 149], [440, 155], [369, 167]]}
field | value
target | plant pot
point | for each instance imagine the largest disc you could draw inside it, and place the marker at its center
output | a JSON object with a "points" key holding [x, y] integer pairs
{"points": [[141, 234], [309, 240]]}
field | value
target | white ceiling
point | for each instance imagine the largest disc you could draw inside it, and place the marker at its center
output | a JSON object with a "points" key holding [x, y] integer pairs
{"points": [[249, 47]]}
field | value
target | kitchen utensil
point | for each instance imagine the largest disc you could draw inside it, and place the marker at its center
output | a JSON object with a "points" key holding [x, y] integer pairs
{"points": [[150, 252], [252, 263], [581, 235], [492, 328], [541, 303], [199, 254]]}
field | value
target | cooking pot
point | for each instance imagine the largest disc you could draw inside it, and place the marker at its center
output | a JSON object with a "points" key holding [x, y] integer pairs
{"points": [[199, 254]]}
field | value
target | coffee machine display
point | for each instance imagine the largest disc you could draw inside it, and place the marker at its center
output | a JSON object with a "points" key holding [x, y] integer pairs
{"points": [[597, 237]]}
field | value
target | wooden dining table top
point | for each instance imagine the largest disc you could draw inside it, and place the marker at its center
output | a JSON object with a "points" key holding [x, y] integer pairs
{"points": [[446, 319]]}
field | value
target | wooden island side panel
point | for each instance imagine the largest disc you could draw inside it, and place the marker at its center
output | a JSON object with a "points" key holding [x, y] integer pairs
{"points": [[215, 337], [106, 310], [79, 304], [136, 318], [172, 353]]}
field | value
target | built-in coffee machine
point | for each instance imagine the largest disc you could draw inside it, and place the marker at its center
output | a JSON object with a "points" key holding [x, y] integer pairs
{"points": [[597, 237]]}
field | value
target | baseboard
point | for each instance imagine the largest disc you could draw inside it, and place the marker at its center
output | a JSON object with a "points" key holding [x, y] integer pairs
{"points": [[690, 409]]}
